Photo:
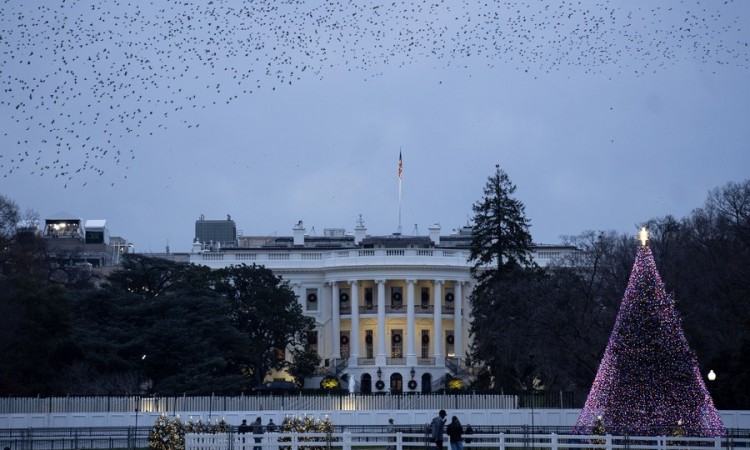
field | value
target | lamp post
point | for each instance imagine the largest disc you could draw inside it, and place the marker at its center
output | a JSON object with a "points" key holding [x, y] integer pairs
{"points": [[711, 378]]}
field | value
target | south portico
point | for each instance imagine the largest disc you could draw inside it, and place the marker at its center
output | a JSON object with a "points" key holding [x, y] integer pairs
{"points": [[386, 329]]}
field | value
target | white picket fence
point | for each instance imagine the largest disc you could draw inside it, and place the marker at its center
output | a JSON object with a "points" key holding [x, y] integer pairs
{"points": [[502, 441], [180, 404]]}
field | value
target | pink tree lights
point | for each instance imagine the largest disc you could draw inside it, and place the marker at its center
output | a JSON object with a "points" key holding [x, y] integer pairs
{"points": [[648, 380]]}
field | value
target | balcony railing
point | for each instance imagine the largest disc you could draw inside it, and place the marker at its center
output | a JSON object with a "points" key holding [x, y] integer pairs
{"points": [[390, 309], [337, 258]]}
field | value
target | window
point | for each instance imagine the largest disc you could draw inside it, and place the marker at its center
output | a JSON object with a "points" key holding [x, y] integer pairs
{"points": [[311, 300], [368, 298], [450, 347], [397, 383], [397, 298], [314, 341], [425, 298], [425, 343], [368, 344], [397, 344], [344, 339]]}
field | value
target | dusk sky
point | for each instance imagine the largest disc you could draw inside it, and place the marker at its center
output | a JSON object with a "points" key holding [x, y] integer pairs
{"points": [[151, 114]]}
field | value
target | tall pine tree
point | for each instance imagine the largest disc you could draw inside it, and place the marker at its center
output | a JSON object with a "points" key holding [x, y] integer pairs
{"points": [[500, 249], [648, 380], [500, 237]]}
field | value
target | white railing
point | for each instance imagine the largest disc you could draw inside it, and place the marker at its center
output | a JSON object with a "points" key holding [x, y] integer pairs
{"points": [[335, 258], [406, 441]]}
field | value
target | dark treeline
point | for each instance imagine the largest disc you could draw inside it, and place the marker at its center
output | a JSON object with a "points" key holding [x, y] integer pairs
{"points": [[168, 328], [152, 326], [550, 327]]}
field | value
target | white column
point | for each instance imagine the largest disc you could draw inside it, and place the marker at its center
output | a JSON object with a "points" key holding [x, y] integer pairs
{"points": [[458, 332], [380, 355], [354, 339], [411, 337], [297, 289], [335, 321], [438, 325]]}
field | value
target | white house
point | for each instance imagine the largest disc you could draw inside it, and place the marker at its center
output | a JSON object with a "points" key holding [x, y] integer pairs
{"points": [[391, 311]]}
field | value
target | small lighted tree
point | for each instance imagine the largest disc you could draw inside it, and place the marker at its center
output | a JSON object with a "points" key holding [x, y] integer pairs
{"points": [[167, 434], [306, 424], [648, 378], [598, 430]]}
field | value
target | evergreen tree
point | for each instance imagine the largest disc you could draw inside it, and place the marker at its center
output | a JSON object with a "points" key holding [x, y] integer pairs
{"points": [[648, 379], [500, 252], [500, 234]]}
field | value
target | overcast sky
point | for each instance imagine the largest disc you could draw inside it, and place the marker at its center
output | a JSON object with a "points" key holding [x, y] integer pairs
{"points": [[603, 117]]}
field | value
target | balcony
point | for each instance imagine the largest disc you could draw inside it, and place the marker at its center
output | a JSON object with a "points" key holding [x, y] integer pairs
{"points": [[390, 309], [316, 259]]}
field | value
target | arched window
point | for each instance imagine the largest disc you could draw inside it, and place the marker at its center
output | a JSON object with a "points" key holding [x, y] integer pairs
{"points": [[397, 383], [365, 384], [426, 383]]}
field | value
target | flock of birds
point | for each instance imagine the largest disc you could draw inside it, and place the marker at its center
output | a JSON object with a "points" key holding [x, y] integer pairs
{"points": [[83, 80]]}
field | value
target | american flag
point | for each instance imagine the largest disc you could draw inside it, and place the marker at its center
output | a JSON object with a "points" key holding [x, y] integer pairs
{"points": [[400, 166]]}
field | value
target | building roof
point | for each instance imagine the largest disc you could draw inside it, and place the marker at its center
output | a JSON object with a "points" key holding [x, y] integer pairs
{"points": [[95, 223], [398, 241], [62, 215]]}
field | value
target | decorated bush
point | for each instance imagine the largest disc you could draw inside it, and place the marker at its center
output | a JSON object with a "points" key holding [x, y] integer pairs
{"points": [[330, 383], [169, 434], [306, 424], [455, 384]]}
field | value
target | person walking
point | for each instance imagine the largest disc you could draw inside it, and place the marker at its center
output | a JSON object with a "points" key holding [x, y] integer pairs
{"points": [[390, 430], [437, 428], [258, 432], [455, 434], [271, 427]]}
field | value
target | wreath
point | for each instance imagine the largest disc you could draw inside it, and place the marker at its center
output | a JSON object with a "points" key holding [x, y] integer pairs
{"points": [[396, 297], [412, 384], [425, 338], [380, 384], [368, 339], [344, 339], [449, 297], [344, 297], [449, 339], [396, 338], [312, 298]]}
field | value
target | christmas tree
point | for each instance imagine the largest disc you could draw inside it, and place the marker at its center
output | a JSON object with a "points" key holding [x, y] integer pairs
{"points": [[648, 379]]}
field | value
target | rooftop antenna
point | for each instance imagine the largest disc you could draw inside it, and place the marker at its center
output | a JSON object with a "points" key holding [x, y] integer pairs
{"points": [[416, 230]]}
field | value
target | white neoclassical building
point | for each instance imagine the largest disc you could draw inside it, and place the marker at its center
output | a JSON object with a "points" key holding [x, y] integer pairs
{"points": [[391, 311]]}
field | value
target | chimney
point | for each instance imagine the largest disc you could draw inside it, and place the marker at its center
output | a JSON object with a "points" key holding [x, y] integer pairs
{"points": [[360, 231], [299, 234], [435, 234]]}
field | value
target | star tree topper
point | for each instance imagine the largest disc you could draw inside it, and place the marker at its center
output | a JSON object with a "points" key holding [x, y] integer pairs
{"points": [[643, 236]]}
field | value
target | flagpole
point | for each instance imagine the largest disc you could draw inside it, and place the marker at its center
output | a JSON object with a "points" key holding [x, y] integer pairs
{"points": [[400, 176], [399, 206]]}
